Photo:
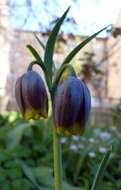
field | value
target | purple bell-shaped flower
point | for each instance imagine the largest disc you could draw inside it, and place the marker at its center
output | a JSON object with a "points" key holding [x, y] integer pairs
{"points": [[72, 106], [31, 96]]}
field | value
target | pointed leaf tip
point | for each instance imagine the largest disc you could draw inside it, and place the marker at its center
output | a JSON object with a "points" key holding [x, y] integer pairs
{"points": [[34, 52], [39, 41], [49, 50], [37, 57], [71, 55]]}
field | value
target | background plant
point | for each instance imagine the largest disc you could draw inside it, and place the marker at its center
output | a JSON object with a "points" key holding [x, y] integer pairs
{"points": [[33, 146]]}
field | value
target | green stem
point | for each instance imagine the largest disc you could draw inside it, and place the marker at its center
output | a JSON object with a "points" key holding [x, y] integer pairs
{"points": [[57, 160], [44, 71], [60, 72], [57, 154]]}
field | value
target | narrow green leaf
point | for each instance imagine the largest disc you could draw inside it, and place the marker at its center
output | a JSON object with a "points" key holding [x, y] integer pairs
{"points": [[48, 58], [67, 186], [40, 63], [101, 170], [38, 58], [15, 135], [80, 46], [29, 174], [42, 173], [39, 41], [35, 54]]}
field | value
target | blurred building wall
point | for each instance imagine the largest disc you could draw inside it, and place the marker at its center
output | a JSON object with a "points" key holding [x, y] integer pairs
{"points": [[114, 62], [5, 45]]}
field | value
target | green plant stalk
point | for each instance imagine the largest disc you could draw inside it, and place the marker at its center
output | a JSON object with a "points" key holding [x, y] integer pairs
{"points": [[57, 160], [44, 71], [60, 72], [57, 153]]}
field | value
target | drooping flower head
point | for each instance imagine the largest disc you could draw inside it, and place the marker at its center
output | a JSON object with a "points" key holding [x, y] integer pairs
{"points": [[31, 96], [71, 107]]}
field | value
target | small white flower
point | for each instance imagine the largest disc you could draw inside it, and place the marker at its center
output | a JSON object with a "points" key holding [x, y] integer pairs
{"points": [[105, 135], [73, 147], [63, 140], [92, 140], [75, 138], [92, 154], [103, 150]]}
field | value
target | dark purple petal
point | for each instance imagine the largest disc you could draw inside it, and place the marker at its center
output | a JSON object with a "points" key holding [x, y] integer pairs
{"points": [[18, 94], [87, 103], [71, 107], [31, 95], [69, 99], [35, 90]]}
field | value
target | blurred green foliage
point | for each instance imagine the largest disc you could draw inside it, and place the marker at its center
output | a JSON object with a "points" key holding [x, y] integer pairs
{"points": [[26, 159]]}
